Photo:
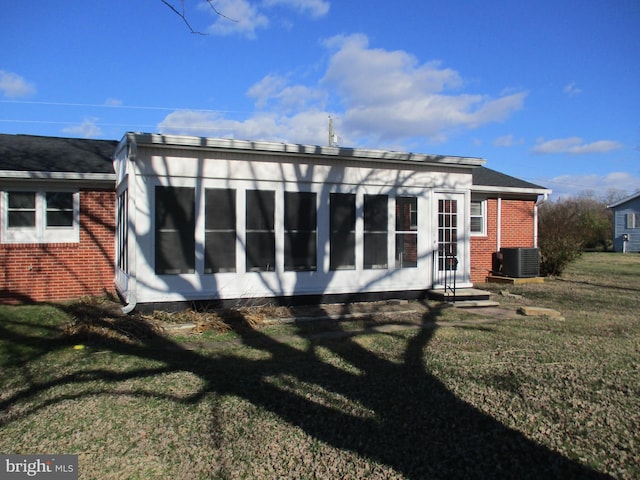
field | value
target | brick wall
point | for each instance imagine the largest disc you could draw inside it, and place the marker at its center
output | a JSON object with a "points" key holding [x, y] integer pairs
{"points": [[63, 271], [517, 230]]}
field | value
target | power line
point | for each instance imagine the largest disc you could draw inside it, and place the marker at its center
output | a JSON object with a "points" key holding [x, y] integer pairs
{"points": [[123, 106]]}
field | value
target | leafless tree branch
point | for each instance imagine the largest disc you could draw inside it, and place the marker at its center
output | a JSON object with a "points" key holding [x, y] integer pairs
{"points": [[182, 15]]}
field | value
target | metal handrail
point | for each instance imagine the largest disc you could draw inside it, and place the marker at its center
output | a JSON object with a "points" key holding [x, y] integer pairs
{"points": [[450, 268]]}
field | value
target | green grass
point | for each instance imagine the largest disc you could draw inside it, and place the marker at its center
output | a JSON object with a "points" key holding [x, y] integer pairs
{"points": [[463, 396]]}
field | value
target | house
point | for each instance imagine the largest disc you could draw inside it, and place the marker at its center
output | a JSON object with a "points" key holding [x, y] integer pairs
{"points": [[626, 224], [57, 218], [504, 214], [187, 219]]}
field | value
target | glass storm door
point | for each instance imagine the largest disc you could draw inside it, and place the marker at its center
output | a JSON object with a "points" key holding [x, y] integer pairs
{"points": [[448, 248]]}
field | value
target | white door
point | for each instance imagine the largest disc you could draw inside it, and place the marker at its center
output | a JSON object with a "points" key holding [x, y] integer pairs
{"points": [[449, 244]]}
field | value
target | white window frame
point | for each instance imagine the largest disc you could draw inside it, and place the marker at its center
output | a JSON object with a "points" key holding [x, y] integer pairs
{"points": [[40, 233], [633, 220], [482, 216]]}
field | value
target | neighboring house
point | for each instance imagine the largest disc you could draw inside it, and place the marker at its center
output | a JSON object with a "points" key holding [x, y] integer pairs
{"points": [[626, 224], [189, 219], [57, 216]]}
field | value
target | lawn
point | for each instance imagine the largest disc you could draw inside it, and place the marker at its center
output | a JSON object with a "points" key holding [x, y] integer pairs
{"points": [[432, 393]]}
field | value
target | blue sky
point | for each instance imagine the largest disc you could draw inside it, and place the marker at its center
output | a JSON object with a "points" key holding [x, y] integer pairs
{"points": [[547, 91]]}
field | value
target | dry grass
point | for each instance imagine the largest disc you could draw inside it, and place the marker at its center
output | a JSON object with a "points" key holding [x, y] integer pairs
{"points": [[521, 398]]}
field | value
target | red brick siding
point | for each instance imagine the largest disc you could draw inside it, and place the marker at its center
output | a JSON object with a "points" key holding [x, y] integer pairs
{"points": [[517, 230], [59, 271]]}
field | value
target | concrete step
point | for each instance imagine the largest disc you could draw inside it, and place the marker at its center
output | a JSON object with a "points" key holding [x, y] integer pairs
{"points": [[462, 294], [475, 304]]}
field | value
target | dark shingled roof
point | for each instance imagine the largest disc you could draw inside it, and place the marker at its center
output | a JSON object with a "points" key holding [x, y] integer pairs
{"points": [[490, 178], [53, 154]]}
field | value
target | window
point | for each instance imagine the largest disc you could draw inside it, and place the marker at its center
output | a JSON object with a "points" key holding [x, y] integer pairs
{"points": [[478, 217], [122, 222], [406, 232], [260, 234], [342, 224], [175, 230], [300, 231], [21, 209], [40, 217], [376, 226], [59, 209], [633, 220], [219, 230]]}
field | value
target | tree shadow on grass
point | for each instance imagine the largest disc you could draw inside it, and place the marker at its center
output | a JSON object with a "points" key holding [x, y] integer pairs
{"points": [[414, 425]]}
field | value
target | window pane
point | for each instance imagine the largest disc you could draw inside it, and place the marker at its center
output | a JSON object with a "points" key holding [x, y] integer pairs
{"points": [[260, 209], [342, 216], [22, 219], [299, 211], [476, 224], [175, 230], [343, 251], [406, 213], [59, 201], [261, 252], [300, 231], [22, 200], [342, 221], [375, 213], [220, 252], [220, 209], [300, 251], [60, 218], [406, 250], [476, 208], [375, 250]]}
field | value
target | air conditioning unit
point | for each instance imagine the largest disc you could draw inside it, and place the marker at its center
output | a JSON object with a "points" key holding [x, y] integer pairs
{"points": [[520, 262]]}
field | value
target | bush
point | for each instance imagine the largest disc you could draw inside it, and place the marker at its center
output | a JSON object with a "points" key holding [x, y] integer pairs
{"points": [[568, 226]]}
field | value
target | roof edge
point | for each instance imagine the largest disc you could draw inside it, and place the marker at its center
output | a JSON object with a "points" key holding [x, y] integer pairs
{"points": [[496, 189], [161, 140], [624, 200], [70, 176]]}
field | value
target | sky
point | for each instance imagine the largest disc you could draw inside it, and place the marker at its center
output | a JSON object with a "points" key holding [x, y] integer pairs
{"points": [[547, 91]]}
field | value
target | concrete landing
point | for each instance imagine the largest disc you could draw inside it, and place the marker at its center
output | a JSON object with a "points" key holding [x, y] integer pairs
{"points": [[462, 295]]}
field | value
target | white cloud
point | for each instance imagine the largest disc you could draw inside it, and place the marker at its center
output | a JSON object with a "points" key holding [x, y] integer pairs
{"points": [[315, 8], [507, 141], [572, 90], [386, 98], [238, 17], [13, 85], [601, 185], [305, 127], [87, 129], [389, 94], [274, 91], [574, 146]]}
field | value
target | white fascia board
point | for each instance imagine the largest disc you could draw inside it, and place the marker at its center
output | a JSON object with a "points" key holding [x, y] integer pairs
{"points": [[510, 190], [58, 176], [200, 143]]}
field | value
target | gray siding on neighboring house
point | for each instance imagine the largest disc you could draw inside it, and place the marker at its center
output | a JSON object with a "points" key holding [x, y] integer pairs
{"points": [[626, 221]]}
